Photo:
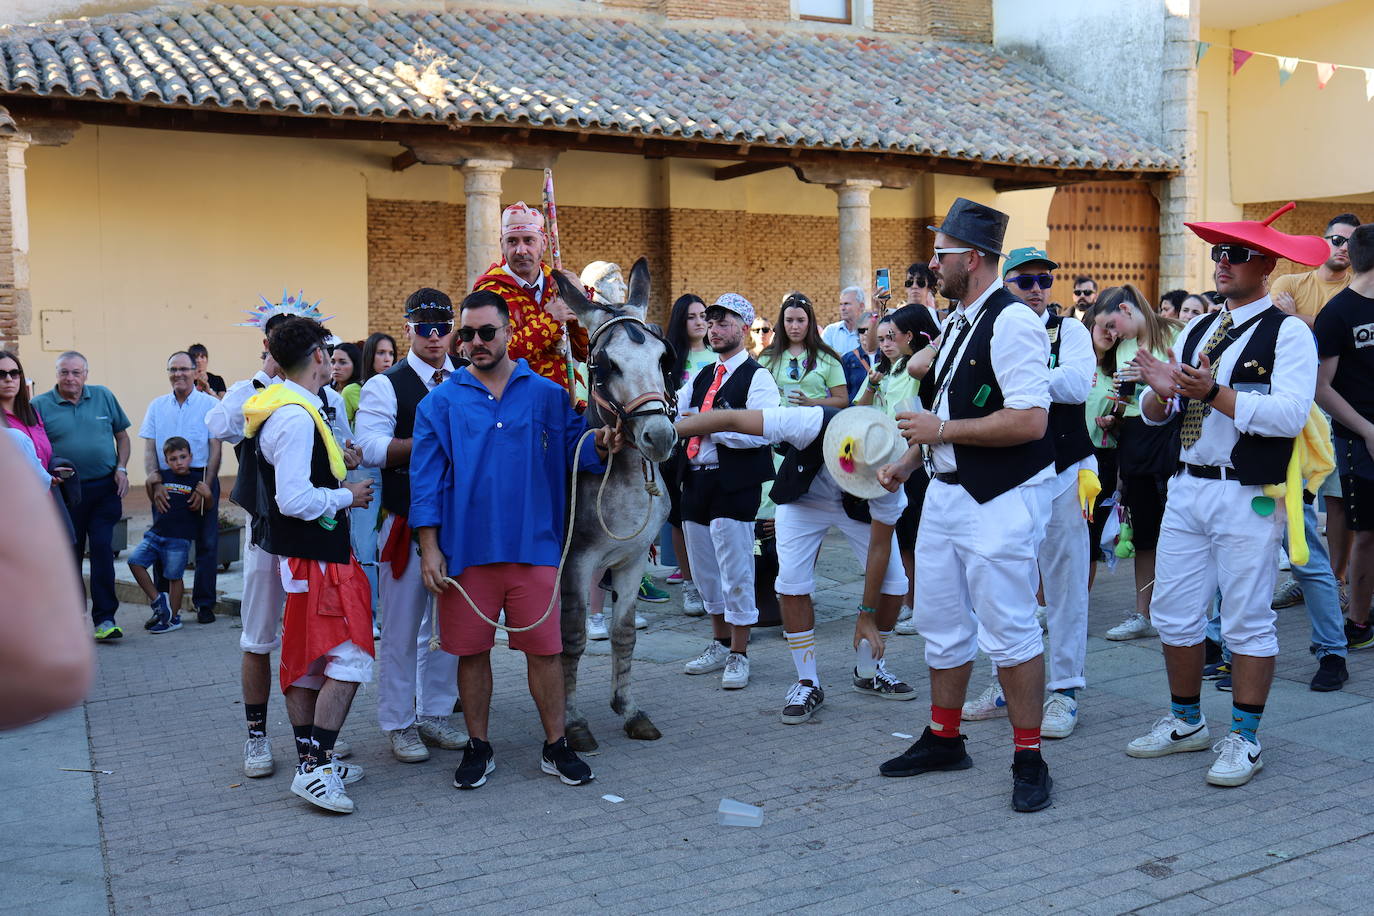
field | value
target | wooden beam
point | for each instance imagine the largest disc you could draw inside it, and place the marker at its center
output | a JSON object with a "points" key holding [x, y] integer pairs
{"points": [[404, 160], [725, 173]]}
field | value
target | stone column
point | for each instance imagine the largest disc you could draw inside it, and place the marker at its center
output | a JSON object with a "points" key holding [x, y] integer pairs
{"points": [[482, 190], [14, 235], [856, 233], [1180, 263]]}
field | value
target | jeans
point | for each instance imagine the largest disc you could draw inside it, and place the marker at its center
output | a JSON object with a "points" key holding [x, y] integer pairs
{"points": [[94, 521]]}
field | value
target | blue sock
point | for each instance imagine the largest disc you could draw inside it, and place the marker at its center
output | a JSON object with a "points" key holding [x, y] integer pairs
{"points": [[1187, 709], [1245, 720], [1070, 692]]}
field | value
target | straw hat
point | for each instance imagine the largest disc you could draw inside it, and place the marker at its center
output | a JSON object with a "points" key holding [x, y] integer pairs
{"points": [[859, 441]]}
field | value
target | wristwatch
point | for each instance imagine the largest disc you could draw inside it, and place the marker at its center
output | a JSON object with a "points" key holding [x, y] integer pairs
{"points": [[121, 470]]}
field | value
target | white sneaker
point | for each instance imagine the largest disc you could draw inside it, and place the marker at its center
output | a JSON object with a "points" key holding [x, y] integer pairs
{"points": [[322, 787], [257, 758], [990, 704], [1170, 736], [342, 748], [906, 627], [736, 673], [712, 659], [1287, 595], [597, 628], [406, 744], [349, 773], [1060, 716], [1042, 617], [437, 731], [1239, 760], [1135, 626], [640, 622], [692, 604], [904, 613]]}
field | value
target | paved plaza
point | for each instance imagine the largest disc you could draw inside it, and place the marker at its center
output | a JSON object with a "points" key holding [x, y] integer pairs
{"points": [[175, 827]]}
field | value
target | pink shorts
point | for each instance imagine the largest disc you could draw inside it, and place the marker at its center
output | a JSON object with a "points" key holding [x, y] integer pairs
{"points": [[521, 590]]}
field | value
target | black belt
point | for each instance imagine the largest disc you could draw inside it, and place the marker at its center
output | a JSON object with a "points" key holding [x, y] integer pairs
{"points": [[950, 477], [1208, 471]]}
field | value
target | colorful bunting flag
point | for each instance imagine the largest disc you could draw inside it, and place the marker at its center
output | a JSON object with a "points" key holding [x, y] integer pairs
{"points": [[1324, 74], [1286, 67], [1202, 47], [1238, 59]]}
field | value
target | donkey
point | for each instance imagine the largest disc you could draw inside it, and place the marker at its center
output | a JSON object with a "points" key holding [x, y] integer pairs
{"points": [[620, 514]]}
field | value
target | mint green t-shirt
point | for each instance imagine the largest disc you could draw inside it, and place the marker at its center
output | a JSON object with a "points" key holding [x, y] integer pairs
{"points": [[1126, 350], [896, 387], [790, 373]]}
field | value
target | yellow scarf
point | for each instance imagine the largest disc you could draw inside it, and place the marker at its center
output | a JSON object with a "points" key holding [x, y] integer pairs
{"points": [[263, 404], [1312, 460]]}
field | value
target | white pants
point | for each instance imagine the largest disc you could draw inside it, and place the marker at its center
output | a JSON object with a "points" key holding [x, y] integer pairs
{"points": [[1064, 572], [722, 559], [412, 680], [263, 604], [976, 564], [1212, 537], [800, 529]]}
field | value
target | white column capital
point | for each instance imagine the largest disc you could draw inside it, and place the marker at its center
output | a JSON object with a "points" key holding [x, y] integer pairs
{"points": [[482, 199]]}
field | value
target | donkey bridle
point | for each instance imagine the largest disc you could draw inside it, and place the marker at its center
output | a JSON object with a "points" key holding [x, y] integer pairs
{"points": [[639, 405]]}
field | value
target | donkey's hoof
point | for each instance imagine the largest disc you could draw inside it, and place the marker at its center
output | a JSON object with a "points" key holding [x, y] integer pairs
{"points": [[640, 728], [580, 737]]}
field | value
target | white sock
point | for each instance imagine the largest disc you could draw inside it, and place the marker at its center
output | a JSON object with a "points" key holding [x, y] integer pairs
{"points": [[803, 647]]}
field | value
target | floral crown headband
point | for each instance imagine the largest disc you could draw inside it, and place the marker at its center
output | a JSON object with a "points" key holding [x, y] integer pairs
{"points": [[289, 305]]}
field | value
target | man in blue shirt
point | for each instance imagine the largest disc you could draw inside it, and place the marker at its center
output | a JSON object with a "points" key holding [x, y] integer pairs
{"points": [[488, 469]]}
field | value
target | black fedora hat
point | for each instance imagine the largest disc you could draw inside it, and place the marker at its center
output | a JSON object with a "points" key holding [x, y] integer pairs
{"points": [[976, 225]]}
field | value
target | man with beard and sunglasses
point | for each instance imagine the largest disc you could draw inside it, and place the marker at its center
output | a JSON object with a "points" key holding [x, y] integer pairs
{"points": [[416, 688], [1244, 379], [985, 439]]}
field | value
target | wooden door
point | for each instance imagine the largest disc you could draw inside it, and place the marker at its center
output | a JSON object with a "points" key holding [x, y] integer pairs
{"points": [[1108, 230]]}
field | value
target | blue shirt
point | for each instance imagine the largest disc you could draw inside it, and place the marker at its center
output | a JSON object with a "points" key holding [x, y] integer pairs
{"points": [[492, 473], [83, 432], [168, 417]]}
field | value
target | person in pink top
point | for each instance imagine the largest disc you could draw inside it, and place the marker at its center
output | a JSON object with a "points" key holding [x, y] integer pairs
{"points": [[14, 400]]}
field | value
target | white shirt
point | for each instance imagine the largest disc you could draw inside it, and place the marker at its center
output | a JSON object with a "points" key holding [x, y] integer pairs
{"points": [[1020, 363], [168, 417], [537, 287], [1281, 411], [840, 338], [287, 441], [1071, 379], [375, 422], [800, 426], [225, 421], [763, 392]]}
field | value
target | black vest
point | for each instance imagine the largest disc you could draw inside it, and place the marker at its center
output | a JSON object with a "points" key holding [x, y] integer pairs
{"points": [[799, 469], [741, 468], [244, 495], [1068, 422], [294, 537], [410, 391], [986, 472], [1258, 460]]}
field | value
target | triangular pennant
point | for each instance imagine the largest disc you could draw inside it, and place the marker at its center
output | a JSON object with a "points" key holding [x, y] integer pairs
{"points": [[1369, 85], [1286, 67], [1238, 59], [1202, 47], [1324, 74]]}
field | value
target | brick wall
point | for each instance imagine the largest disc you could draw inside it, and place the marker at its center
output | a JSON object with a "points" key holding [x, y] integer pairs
{"points": [[1308, 218], [13, 297], [960, 20], [410, 244]]}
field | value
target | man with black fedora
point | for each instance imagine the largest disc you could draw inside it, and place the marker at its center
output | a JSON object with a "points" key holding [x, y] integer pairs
{"points": [[985, 442]]}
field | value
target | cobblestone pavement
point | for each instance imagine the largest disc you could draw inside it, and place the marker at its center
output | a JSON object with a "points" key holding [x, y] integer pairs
{"points": [[182, 830]]}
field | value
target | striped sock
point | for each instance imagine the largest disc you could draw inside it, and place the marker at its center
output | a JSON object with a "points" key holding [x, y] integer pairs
{"points": [[1025, 739], [1187, 709], [944, 723], [1245, 720], [803, 648]]}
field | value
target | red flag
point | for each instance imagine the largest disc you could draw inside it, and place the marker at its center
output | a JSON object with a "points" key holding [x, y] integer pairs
{"points": [[1238, 59], [1324, 74]]}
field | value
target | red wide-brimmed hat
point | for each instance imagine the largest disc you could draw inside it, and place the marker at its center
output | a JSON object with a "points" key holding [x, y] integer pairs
{"points": [[1305, 249]]}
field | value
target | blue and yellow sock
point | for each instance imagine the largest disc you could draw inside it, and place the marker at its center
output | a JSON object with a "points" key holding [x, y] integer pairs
{"points": [[1187, 709], [1245, 720]]}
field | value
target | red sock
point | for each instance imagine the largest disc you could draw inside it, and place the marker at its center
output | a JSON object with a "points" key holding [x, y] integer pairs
{"points": [[1026, 739], [944, 723]]}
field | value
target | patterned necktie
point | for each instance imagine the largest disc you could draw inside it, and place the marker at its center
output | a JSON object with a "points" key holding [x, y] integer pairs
{"points": [[694, 443], [1196, 410], [439, 376]]}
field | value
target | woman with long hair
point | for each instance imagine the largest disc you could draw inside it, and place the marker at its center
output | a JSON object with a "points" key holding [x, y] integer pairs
{"points": [[346, 365], [687, 335], [1147, 456], [1103, 411], [14, 401], [807, 371], [379, 354]]}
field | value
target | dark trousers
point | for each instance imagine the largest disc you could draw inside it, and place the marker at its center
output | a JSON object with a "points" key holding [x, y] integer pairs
{"points": [[203, 593], [93, 522]]}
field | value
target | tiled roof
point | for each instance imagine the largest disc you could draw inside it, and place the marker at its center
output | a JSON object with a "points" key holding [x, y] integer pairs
{"points": [[769, 86]]}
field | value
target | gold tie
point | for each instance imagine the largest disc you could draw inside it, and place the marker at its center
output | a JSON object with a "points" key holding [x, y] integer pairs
{"points": [[1196, 411]]}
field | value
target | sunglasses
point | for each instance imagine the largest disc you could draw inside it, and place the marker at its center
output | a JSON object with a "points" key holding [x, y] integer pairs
{"points": [[941, 252], [917, 282], [432, 328], [487, 332], [793, 369], [1077, 292], [765, 329], [1030, 281], [1235, 254], [1337, 241], [11, 373]]}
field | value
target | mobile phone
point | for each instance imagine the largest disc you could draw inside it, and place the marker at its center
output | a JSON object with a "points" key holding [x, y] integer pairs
{"points": [[882, 282]]}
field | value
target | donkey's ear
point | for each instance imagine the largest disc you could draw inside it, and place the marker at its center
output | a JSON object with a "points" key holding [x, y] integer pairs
{"points": [[638, 303]]}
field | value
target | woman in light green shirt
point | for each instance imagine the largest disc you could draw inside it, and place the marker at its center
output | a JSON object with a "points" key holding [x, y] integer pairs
{"points": [[807, 371]]}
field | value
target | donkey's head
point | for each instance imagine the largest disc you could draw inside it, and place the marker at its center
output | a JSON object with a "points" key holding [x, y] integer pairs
{"points": [[630, 365]]}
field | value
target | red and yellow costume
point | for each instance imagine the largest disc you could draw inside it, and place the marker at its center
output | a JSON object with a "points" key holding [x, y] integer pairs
{"points": [[535, 336]]}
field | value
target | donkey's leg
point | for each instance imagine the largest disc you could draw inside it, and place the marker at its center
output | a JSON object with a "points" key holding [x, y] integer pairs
{"points": [[626, 583], [573, 623]]}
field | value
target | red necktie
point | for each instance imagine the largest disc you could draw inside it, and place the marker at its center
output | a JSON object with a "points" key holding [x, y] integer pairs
{"points": [[694, 443]]}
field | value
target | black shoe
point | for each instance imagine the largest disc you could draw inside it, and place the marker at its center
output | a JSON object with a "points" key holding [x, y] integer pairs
{"points": [[1331, 674], [1357, 636], [1030, 782], [1224, 683], [478, 763], [1213, 652], [205, 615], [561, 761], [802, 700], [929, 753]]}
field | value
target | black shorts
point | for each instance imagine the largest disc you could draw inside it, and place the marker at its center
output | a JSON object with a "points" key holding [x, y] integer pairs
{"points": [[910, 521], [1143, 497], [1356, 468], [704, 500]]}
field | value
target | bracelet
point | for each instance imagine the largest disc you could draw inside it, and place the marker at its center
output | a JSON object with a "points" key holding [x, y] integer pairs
{"points": [[1162, 402], [124, 470], [1211, 395], [865, 609], [874, 386], [940, 433]]}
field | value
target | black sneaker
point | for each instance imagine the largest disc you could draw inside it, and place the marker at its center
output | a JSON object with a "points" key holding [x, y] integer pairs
{"points": [[1331, 674], [884, 685], [1216, 670], [560, 760], [478, 763], [929, 753], [1357, 636], [205, 615], [1224, 683], [1030, 782], [802, 700]]}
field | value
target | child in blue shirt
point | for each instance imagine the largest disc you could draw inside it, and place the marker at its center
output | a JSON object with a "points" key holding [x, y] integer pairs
{"points": [[169, 541]]}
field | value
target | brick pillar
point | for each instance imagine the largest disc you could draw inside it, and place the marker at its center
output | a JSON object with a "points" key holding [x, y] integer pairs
{"points": [[1180, 263], [856, 234], [482, 189], [14, 235]]}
